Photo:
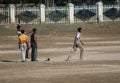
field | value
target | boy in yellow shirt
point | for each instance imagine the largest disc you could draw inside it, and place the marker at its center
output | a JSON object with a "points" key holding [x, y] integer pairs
{"points": [[23, 42]]}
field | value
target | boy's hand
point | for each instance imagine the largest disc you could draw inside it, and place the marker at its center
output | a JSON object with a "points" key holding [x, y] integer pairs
{"points": [[82, 43]]}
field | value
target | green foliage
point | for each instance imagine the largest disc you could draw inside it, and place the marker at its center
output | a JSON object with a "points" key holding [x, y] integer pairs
{"points": [[61, 2]]}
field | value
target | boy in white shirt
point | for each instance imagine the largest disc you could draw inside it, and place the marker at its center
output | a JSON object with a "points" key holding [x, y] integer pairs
{"points": [[78, 43]]}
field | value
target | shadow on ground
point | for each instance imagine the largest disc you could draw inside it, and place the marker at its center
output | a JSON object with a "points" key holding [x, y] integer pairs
{"points": [[7, 61]]}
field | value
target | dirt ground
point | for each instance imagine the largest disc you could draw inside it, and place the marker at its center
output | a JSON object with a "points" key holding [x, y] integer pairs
{"points": [[102, 54]]}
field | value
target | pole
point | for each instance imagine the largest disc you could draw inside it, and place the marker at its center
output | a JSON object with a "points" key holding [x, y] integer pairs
{"points": [[47, 3], [53, 3]]}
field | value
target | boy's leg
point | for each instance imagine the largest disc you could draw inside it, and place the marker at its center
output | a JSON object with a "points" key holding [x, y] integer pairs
{"points": [[69, 57], [81, 53], [23, 51], [72, 50], [81, 50], [35, 54], [27, 52], [32, 54]]}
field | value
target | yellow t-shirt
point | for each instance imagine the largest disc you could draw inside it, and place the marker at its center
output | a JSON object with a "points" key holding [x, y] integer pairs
{"points": [[23, 38]]}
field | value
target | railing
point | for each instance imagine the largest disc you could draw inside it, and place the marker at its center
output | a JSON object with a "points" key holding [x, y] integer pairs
{"points": [[4, 16], [68, 14], [27, 15], [85, 13], [56, 15], [111, 12]]}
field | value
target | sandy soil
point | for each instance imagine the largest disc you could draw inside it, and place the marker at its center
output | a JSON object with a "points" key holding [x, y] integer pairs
{"points": [[102, 64]]}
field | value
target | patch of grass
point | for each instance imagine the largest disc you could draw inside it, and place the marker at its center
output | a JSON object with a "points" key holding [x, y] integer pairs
{"points": [[89, 29]]}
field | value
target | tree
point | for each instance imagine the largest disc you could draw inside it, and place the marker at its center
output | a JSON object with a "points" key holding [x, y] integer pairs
{"points": [[57, 1]]}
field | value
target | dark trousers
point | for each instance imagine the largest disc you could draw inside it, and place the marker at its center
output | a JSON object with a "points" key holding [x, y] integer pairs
{"points": [[34, 53], [27, 52]]}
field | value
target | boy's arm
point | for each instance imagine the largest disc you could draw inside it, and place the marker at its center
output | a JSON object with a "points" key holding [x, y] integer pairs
{"points": [[19, 43], [75, 39], [28, 32], [81, 41]]}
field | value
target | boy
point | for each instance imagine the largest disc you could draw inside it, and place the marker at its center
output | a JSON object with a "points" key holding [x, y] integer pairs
{"points": [[34, 45], [23, 42], [78, 43]]}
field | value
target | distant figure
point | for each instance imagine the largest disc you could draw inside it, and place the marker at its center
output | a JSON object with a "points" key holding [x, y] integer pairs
{"points": [[78, 43], [34, 45], [18, 30], [23, 42]]}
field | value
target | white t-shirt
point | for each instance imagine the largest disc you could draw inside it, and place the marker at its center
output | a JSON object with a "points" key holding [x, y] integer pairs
{"points": [[78, 35], [19, 33]]}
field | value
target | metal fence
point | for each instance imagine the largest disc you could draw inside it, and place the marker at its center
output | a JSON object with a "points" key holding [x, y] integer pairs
{"points": [[56, 15], [32, 15], [85, 13], [27, 15], [111, 13], [4, 16], [61, 14]]}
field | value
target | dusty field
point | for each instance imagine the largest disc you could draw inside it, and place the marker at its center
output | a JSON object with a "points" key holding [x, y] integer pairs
{"points": [[102, 53]]}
